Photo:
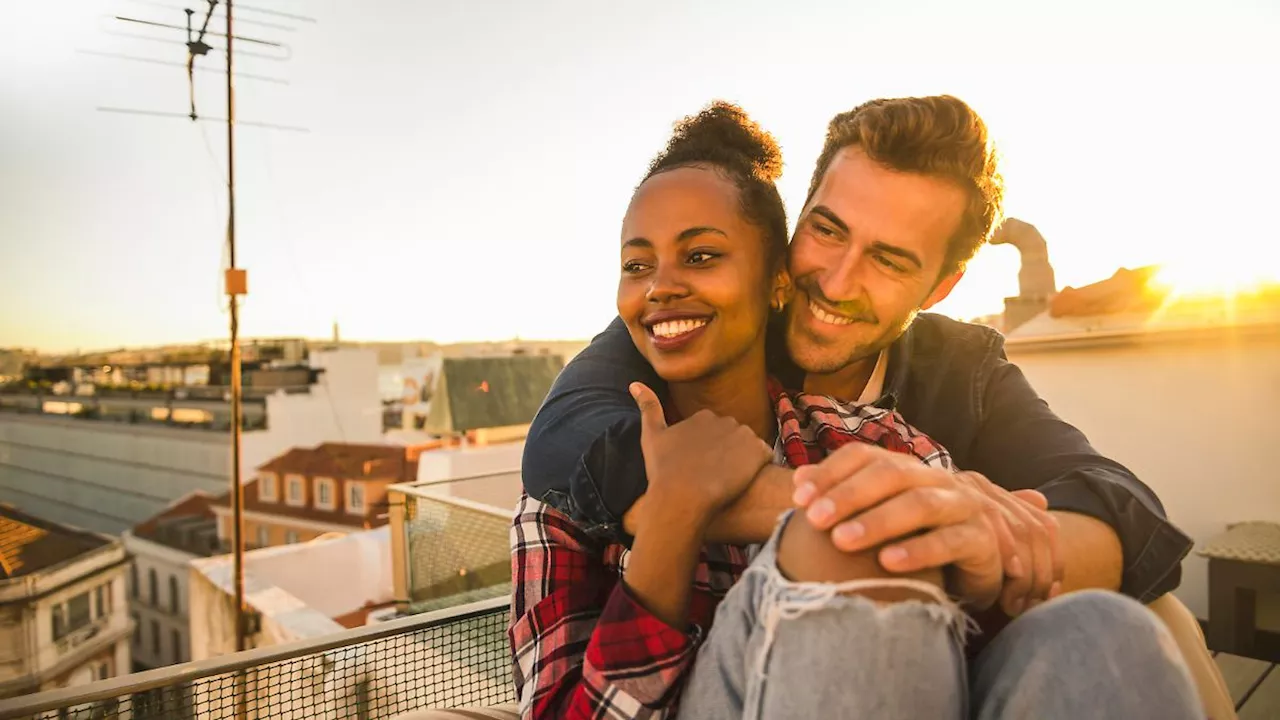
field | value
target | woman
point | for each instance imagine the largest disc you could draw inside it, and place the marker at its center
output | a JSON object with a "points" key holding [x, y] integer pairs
{"points": [[602, 629]]}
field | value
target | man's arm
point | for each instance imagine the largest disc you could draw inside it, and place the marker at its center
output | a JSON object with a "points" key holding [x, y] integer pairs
{"points": [[749, 519], [1022, 444], [587, 429]]}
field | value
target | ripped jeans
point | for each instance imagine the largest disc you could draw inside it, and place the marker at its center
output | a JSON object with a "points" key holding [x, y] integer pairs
{"points": [[781, 649]]}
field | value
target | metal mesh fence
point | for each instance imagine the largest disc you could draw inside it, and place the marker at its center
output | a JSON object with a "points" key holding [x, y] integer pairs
{"points": [[451, 664], [456, 554]]}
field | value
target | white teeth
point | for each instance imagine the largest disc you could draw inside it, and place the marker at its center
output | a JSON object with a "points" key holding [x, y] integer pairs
{"points": [[827, 317], [674, 328]]}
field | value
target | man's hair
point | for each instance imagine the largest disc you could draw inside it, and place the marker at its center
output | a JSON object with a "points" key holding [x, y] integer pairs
{"points": [[938, 136], [723, 137]]}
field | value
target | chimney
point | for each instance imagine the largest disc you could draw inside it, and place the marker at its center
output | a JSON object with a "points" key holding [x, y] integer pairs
{"points": [[1036, 285]]}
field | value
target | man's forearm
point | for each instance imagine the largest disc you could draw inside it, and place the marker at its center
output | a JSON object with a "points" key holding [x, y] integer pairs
{"points": [[1092, 556], [752, 517], [749, 519]]}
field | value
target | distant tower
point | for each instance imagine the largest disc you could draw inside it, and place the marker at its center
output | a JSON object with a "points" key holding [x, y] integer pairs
{"points": [[336, 338]]}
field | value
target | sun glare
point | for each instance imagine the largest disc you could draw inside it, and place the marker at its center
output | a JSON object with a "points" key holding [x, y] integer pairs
{"points": [[1186, 279]]}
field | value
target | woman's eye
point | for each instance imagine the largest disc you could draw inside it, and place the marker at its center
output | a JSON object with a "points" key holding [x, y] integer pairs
{"points": [[633, 266], [698, 257]]}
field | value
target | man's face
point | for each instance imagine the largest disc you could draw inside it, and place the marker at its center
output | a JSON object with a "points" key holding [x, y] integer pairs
{"points": [[867, 256]]}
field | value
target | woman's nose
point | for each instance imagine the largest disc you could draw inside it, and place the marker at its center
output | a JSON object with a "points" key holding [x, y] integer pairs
{"points": [[667, 285]]}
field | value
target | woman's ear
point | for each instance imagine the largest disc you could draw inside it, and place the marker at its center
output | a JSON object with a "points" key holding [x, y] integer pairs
{"points": [[782, 290]]}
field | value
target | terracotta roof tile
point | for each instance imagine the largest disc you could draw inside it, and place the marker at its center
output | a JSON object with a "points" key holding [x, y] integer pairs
{"points": [[188, 525], [1125, 291], [29, 544], [348, 460]]}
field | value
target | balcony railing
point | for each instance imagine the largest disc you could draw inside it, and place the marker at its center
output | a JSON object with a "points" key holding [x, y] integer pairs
{"points": [[450, 540], [446, 659]]}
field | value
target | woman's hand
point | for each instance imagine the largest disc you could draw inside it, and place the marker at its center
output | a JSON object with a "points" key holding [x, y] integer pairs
{"points": [[696, 467]]}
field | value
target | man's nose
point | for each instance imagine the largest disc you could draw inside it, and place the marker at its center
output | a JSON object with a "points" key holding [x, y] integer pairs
{"points": [[666, 285], [841, 281]]}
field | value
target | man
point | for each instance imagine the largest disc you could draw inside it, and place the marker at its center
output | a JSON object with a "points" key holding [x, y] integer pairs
{"points": [[904, 193]]}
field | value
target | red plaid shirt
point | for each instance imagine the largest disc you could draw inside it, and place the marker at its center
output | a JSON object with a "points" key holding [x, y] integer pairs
{"points": [[583, 647]]}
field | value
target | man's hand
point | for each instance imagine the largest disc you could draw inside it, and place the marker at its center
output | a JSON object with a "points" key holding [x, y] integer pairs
{"points": [[867, 496], [698, 466]]}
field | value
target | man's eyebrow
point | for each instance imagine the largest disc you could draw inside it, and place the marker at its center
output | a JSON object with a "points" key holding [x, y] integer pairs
{"points": [[830, 217]]}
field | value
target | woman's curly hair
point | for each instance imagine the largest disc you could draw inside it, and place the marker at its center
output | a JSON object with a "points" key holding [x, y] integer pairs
{"points": [[724, 137]]}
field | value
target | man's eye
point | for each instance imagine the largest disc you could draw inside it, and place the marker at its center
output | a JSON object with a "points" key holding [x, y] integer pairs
{"points": [[823, 230], [889, 263]]}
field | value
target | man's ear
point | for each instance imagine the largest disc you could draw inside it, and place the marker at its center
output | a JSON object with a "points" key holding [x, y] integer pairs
{"points": [[782, 290], [942, 289]]}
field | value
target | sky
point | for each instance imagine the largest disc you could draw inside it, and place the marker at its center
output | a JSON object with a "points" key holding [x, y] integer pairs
{"points": [[468, 162]]}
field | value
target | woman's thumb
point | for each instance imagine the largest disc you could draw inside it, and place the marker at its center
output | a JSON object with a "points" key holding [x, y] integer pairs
{"points": [[652, 418]]}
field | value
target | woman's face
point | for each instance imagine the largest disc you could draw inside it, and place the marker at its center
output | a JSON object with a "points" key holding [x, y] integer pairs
{"points": [[695, 287]]}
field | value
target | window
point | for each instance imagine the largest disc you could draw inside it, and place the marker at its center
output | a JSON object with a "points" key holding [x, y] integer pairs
{"points": [[155, 639], [174, 600], [71, 615], [291, 537], [154, 586], [355, 498], [103, 672], [137, 629], [294, 492], [324, 494], [264, 536], [176, 638], [268, 489], [100, 601], [133, 580]]}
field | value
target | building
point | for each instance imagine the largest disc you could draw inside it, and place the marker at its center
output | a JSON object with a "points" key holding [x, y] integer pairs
{"points": [[311, 491], [64, 619], [1179, 387], [479, 400], [107, 457], [162, 548], [291, 591]]}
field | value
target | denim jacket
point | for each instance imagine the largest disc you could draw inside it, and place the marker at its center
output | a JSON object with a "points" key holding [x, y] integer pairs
{"points": [[951, 380]]}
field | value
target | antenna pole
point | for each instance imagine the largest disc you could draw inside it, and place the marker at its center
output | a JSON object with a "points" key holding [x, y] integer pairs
{"points": [[235, 287]]}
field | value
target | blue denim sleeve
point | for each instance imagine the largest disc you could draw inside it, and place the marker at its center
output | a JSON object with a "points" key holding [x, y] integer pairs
{"points": [[582, 455], [1021, 443]]}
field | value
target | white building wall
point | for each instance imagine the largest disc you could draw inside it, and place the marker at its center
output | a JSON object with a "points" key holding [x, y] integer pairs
{"points": [[1195, 422], [104, 476], [73, 659], [153, 614], [108, 477]]}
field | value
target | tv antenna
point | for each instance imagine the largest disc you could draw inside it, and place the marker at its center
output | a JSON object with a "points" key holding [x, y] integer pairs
{"points": [[201, 42]]}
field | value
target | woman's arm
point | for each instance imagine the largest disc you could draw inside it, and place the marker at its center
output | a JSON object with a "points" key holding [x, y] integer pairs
{"points": [[583, 645]]}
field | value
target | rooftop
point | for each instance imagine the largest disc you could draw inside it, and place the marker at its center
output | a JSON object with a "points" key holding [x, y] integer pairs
{"points": [[188, 525], [1133, 302], [29, 544], [349, 461], [490, 392]]}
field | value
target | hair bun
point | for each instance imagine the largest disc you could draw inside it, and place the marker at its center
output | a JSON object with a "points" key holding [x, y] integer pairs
{"points": [[723, 134]]}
